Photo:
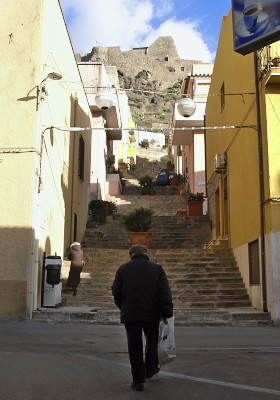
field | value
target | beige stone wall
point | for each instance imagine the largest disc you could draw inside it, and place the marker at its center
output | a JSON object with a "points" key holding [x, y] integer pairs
{"points": [[13, 298], [40, 187]]}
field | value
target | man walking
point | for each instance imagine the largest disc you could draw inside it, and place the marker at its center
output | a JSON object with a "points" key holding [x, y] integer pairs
{"points": [[142, 293]]}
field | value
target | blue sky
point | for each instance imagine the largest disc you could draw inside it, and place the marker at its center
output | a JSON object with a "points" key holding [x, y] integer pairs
{"points": [[195, 25]]}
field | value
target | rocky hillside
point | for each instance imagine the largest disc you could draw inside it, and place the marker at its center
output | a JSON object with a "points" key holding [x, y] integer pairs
{"points": [[150, 107]]}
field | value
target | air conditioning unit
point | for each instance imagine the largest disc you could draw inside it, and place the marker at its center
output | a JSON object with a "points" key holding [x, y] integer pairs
{"points": [[220, 162]]}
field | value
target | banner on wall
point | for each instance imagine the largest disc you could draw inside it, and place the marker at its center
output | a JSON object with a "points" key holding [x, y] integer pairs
{"points": [[256, 23]]}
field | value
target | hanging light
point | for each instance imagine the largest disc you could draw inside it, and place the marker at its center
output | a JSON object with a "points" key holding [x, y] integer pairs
{"points": [[104, 99], [186, 107]]}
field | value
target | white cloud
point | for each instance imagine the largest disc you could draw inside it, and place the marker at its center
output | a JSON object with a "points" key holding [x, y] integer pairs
{"points": [[188, 39], [127, 23], [163, 7]]}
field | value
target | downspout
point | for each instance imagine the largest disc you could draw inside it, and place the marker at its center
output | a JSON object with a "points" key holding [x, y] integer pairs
{"points": [[205, 164], [262, 193], [222, 206], [73, 172]]}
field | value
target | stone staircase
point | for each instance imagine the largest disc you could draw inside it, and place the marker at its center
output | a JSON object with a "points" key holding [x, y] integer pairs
{"points": [[167, 232], [162, 205], [206, 284]]}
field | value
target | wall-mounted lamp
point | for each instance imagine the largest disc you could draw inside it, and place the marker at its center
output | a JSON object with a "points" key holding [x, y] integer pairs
{"points": [[55, 76], [104, 99], [186, 107]]}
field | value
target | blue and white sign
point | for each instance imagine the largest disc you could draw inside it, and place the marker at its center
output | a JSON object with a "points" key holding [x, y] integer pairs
{"points": [[256, 23]]}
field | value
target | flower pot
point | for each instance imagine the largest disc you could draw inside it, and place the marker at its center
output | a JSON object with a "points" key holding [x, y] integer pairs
{"points": [[276, 62], [173, 181], [122, 166], [195, 208], [182, 213], [144, 238]]}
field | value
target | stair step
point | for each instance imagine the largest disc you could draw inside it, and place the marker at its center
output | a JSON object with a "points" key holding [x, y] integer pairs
{"points": [[206, 283]]}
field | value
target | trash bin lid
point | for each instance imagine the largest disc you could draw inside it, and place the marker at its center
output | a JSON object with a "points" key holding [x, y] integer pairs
{"points": [[53, 257]]}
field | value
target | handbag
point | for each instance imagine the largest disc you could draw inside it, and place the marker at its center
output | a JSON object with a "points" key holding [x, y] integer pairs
{"points": [[166, 343]]}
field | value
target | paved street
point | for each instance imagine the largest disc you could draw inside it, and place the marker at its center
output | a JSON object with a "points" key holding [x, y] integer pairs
{"points": [[79, 361]]}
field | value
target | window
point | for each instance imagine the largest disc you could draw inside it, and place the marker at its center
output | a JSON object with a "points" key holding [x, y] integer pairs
{"points": [[165, 58], [81, 157], [254, 263], [182, 68], [222, 93]]}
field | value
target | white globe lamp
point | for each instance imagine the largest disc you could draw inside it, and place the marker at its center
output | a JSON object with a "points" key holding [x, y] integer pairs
{"points": [[186, 107], [104, 99]]}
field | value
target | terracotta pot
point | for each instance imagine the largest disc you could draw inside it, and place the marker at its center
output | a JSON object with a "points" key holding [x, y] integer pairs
{"points": [[144, 238], [122, 166], [276, 62], [195, 208], [173, 181], [182, 213]]}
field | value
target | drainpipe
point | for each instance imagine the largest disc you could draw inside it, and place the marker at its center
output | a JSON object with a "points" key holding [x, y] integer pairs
{"points": [[222, 206], [262, 189], [205, 163], [73, 173]]}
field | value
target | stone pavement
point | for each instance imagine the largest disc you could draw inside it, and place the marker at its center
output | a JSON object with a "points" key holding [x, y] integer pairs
{"points": [[42, 361]]}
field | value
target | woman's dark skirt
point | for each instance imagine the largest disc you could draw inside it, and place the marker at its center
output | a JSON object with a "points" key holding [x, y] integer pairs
{"points": [[74, 277]]}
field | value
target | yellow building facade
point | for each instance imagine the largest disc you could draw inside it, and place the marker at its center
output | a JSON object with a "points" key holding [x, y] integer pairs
{"points": [[243, 169], [44, 170]]}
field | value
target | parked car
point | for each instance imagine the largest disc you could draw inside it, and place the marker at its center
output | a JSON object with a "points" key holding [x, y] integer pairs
{"points": [[163, 177]]}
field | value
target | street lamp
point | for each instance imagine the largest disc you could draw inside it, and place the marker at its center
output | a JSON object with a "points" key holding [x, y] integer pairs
{"points": [[186, 107], [104, 99]]}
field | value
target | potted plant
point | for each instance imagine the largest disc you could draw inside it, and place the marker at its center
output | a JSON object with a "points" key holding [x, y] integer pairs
{"points": [[100, 209], [122, 165], [170, 166], [177, 179], [109, 162], [139, 222], [195, 204], [147, 184]]}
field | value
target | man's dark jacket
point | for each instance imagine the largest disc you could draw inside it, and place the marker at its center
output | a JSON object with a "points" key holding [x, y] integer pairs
{"points": [[141, 291]]}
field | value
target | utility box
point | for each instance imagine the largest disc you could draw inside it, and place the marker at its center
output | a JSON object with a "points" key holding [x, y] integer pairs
{"points": [[52, 285]]}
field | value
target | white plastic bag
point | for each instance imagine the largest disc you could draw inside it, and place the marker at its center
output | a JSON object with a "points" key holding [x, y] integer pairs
{"points": [[166, 344]]}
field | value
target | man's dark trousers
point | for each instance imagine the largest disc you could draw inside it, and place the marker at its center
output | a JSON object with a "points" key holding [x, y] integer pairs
{"points": [[134, 330]]}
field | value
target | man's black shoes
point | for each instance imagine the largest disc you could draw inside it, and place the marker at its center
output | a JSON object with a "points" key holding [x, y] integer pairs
{"points": [[139, 387], [152, 373]]}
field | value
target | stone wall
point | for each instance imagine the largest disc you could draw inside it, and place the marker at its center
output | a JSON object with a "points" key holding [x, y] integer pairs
{"points": [[148, 162], [161, 60]]}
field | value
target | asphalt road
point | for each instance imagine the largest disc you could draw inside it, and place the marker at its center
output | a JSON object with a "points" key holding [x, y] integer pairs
{"points": [[90, 362]]}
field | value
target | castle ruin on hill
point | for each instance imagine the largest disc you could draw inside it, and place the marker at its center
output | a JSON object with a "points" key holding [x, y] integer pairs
{"points": [[161, 61], [155, 73]]}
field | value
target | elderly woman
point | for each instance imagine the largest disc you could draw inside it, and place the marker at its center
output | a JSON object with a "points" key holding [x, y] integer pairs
{"points": [[76, 266]]}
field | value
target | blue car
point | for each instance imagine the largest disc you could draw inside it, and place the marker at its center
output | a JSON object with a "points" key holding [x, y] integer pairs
{"points": [[163, 177]]}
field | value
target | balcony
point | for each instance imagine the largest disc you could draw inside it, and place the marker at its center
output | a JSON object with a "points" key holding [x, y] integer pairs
{"points": [[112, 115], [182, 137]]}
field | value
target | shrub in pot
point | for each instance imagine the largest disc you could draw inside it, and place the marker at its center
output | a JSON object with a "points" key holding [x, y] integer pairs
{"points": [[147, 184], [195, 204], [100, 209], [139, 222]]}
